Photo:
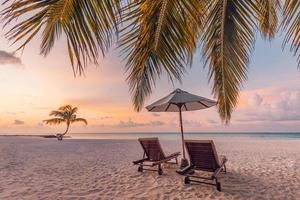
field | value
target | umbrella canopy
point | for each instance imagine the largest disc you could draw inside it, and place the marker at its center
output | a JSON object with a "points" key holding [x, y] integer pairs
{"points": [[179, 101]]}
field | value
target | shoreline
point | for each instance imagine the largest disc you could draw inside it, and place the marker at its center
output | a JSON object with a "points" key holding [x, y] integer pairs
{"points": [[33, 136], [161, 136]]}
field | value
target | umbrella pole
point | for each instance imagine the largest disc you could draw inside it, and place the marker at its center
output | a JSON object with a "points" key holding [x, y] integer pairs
{"points": [[182, 137], [184, 161]]}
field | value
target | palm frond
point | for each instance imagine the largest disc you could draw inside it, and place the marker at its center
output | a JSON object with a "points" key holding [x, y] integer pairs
{"points": [[74, 110], [161, 18], [79, 120], [268, 17], [65, 108], [54, 121], [291, 24], [227, 41], [159, 37], [89, 26], [58, 113], [65, 114]]}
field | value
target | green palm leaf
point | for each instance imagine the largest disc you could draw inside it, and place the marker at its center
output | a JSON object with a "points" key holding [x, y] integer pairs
{"points": [[89, 26], [74, 110], [54, 121], [160, 37], [268, 17], [65, 108], [157, 37], [227, 41], [58, 113], [66, 114], [80, 120], [291, 23]]}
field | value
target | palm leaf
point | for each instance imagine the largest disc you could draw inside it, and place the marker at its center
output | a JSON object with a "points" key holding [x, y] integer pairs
{"points": [[291, 23], [54, 121], [160, 37], [89, 26], [58, 113], [74, 110], [65, 114], [268, 17], [227, 41], [160, 23], [79, 120], [65, 108]]}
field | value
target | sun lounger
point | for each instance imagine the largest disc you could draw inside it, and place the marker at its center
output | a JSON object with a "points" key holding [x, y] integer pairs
{"points": [[153, 156], [203, 156]]}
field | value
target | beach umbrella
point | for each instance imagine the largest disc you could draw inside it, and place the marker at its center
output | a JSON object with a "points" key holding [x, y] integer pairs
{"points": [[180, 101]]}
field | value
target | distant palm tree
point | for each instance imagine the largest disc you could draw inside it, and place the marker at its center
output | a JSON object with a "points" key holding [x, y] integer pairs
{"points": [[159, 36], [65, 114]]}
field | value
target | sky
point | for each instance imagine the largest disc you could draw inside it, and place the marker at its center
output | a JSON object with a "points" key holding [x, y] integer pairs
{"points": [[33, 85]]}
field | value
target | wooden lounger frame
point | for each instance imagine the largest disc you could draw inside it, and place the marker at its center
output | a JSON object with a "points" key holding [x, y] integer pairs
{"points": [[153, 156], [203, 157]]}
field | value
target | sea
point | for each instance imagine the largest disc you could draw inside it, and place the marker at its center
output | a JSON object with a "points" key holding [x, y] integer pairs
{"points": [[187, 135]]}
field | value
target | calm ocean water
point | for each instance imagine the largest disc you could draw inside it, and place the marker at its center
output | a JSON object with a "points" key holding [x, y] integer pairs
{"points": [[175, 136]]}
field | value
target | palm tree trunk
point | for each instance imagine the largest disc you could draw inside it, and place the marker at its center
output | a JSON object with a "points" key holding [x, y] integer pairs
{"points": [[68, 125]]}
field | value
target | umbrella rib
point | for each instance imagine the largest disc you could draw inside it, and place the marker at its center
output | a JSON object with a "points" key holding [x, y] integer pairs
{"points": [[203, 104], [151, 109], [168, 107], [185, 107]]}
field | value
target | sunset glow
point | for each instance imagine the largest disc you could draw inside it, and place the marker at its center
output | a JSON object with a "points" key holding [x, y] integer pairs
{"points": [[34, 85]]}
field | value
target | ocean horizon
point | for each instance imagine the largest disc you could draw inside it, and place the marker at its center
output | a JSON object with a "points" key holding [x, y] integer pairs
{"points": [[170, 135], [187, 135]]}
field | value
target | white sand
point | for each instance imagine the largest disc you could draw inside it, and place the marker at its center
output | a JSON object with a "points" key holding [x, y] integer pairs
{"points": [[37, 168]]}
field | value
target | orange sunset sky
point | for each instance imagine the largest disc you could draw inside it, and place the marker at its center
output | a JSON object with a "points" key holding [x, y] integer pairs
{"points": [[33, 85]]}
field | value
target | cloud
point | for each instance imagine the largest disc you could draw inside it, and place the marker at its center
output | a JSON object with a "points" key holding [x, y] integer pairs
{"points": [[11, 113], [270, 118], [157, 123], [190, 123], [40, 124], [255, 100], [275, 106], [18, 122], [133, 124], [129, 124], [9, 58], [106, 117]]}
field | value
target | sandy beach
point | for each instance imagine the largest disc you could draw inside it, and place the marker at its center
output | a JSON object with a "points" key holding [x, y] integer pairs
{"points": [[39, 168]]}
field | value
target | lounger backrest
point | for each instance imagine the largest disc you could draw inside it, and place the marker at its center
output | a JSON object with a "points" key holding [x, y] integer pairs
{"points": [[152, 148], [202, 154]]}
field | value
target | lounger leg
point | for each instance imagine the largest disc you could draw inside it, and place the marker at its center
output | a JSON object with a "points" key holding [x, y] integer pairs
{"points": [[176, 160], [218, 185], [160, 172], [187, 180], [140, 169], [225, 170]]}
